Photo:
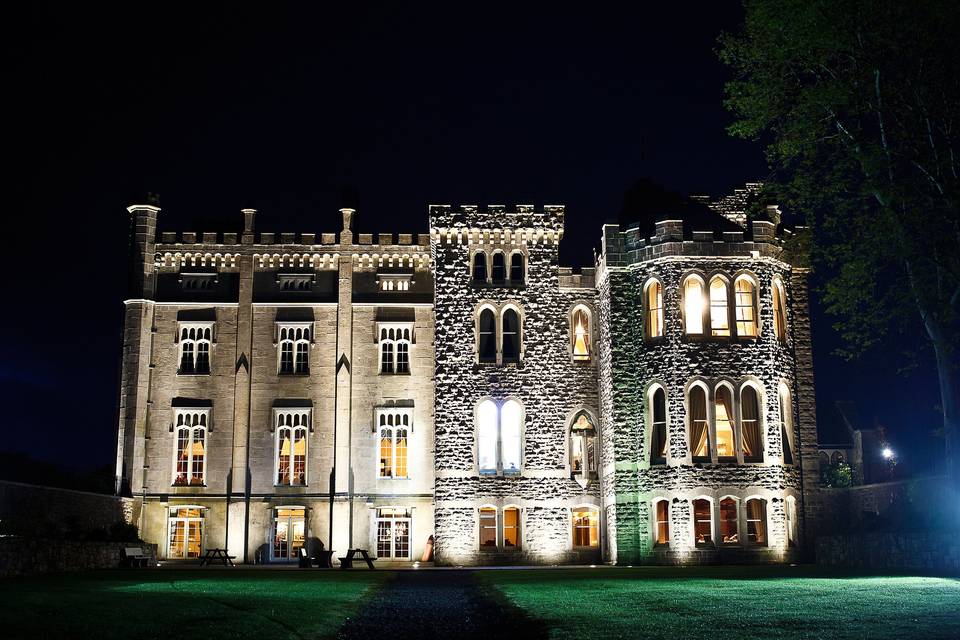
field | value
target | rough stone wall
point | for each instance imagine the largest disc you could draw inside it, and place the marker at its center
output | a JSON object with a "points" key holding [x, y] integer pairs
{"points": [[909, 551], [32, 510], [549, 384], [632, 364], [28, 557]]}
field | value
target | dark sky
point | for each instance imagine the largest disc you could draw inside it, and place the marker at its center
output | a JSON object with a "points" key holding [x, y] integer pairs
{"points": [[283, 109]]}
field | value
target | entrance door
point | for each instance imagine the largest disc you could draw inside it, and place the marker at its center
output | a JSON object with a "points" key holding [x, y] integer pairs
{"points": [[393, 533], [186, 533], [289, 534]]}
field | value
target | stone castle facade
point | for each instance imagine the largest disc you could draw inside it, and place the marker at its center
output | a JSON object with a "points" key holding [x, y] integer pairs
{"points": [[460, 397]]}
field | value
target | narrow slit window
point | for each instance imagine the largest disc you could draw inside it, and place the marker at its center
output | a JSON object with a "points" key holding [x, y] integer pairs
{"points": [[480, 267], [726, 444], [511, 335], [699, 427], [756, 521], [654, 310], [658, 413], [719, 311], [693, 306], [746, 307], [662, 513], [516, 268], [499, 270], [486, 336], [581, 334], [750, 424]]}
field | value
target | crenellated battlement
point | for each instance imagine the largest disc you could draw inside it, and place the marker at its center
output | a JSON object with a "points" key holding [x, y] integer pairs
{"points": [[496, 225], [586, 279]]}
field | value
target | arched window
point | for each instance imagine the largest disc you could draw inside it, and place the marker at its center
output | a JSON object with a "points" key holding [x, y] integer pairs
{"points": [[191, 452], [824, 459], [699, 427], [499, 271], [292, 447], [195, 340], [511, 427], [792, 521], [395, 348], [786, 422], [757, 521], [583, 448], [658, 423], [836, 458], [586, 527], [779, 311], [723, 408], [516, 268], [487, 434], [580, 333], [488, 528], [480, 267], [511, 528], [719, 310], [746, 307], [729, 521], [511, 334], [393, 444], [693, 306], [487, 336], [750, 424], [294, 347], [661, 531], [702, 523], [654, 300], [500, 437]]}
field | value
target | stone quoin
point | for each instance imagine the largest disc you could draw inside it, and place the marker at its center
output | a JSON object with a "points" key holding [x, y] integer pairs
{"points": [[459, 396]]}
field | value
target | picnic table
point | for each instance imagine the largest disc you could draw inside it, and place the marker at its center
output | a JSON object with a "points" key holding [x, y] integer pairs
{"points": [[325, 559], [347, 562], [217, 555]]}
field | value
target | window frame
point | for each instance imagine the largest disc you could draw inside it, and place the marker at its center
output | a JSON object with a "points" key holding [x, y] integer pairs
{"points": [[522, 280], [778, 293], [195, 333], [685, 307], [655, 514], [513, 308], [712, 544], [587, 311], [186, 520], [737, 522], [754, 306], [475, 255], [191, 420], [394, 335], [757, 457], [297, 335], [292, 419], [595, 524], [785, 415], [688, 401], [393, 419], [764, 519], [732, 418], [496, 528], [654, 459], [649, 309], [499, 313], [499, 448], [590, 469], [710, 329]]}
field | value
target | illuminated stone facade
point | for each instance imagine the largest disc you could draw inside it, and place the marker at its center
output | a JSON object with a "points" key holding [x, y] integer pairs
{"points": [[287, 390]]}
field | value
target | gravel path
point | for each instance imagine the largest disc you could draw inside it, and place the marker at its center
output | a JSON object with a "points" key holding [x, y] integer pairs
{"points": [[439, 604]]}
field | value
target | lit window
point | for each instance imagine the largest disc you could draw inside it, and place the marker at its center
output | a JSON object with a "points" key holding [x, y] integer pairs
{"points": [[791, 521], [786, 422], [185, 528], [658, 423], [499, 437], [693, 305], [756, 521], [750, 424], [746, 307], [662, 515], [702, 523], [195, 339], [488, 528], [719, 313], [583, 447], [393, 427], [726, 444], [516, 268], [294, 346], [486, 336], [394, 282], [292, 426], [480, 267], [394, 342], [580, 334], [289, 533], [511, 528], [498, 271], [655, 309], [190, 429], [586, 528], [779, 311], [510, 335], [393, 533], [699, 427], [729, 533]]}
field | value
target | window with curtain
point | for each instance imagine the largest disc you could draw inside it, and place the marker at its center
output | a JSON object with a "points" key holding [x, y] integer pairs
{"points": [[487, 428], [699, 428], [583, 453], [750, 424], [291, 447], [726, 442], [756, 521], [580, 334], [516, 268], [488, 528], [719, 311], [191, 452], [511, 425], [487, 336], [511, 335], [480, 267], [658, 415], [586, 527], [729, 533], [702, 523], [662, 531], [654, 309], [498, 273], [693, 306], [393, 444], [511, 528], [786, 423], [779, 311], [746, 311]]}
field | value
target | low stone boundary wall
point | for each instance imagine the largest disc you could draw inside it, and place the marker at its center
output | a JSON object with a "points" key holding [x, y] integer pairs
{"points": [[33, 556], [913, 551], [37, 511]]}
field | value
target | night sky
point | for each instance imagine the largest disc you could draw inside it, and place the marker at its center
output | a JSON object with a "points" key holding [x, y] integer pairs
{"points": [[391, 109]]}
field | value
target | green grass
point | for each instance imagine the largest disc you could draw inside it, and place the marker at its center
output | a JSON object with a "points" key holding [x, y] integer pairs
{"points": [[725, 603], [183, 604]]}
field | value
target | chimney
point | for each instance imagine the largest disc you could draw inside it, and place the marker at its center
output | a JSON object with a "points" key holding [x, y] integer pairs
{"points": [[249, 218], [346, 236]]}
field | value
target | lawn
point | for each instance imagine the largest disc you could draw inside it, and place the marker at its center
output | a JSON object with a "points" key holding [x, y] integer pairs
{"points": [[726, 603], [183, 604]]}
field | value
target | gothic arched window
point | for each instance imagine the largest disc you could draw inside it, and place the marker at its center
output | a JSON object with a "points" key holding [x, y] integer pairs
{"points": [[480, 267], [580, 333]]}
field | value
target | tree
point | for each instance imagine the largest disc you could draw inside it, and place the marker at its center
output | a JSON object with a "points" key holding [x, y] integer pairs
{"points": [[857, 102]]}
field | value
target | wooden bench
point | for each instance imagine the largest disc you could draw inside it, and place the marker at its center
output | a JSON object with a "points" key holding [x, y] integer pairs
{"points": [[135, 557], [347, 561]]}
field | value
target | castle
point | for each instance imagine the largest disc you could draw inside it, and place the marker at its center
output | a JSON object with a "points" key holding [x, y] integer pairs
{"points": [[461, 393]]}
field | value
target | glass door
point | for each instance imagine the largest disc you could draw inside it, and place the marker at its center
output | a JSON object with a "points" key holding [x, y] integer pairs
{"points": [[186, 533], [393, 533], [289, 534]]}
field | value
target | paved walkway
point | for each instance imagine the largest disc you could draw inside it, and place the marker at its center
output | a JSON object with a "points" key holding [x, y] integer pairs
{"points": [[439, 604]]}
